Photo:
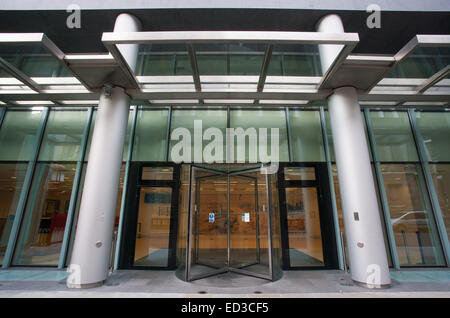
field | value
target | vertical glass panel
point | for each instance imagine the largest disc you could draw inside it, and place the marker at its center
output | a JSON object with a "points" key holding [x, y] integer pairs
{"points": [[275, 227], [254, 120], [305, 238], [157, 173], [411, 216], [295, 60], [306, 136], [63, 135], [441, 179], [150, 139], [152, 236], [18, 134], [300, 173], [205, 119], [12, 176], [393, 136], [44, 221], [435, 130]]}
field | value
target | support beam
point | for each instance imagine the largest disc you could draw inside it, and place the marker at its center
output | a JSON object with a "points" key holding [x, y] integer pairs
{"points": [[93, 240], [363, 229]]}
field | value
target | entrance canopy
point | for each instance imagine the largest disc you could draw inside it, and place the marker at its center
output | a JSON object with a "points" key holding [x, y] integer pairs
{"points": [[224, 68]]}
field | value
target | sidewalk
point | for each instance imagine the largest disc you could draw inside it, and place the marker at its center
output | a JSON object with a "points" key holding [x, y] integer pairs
{"points": [[297, 284]]}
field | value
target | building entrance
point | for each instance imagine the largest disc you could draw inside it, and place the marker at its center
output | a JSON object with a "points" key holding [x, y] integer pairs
{"points": [[230, 223]]}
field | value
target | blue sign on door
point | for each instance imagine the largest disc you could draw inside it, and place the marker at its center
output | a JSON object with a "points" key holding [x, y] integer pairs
{"points": [[211, 217]]}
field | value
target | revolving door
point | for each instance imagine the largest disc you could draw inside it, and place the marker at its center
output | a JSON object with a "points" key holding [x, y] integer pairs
{"points": [[232, 224]]}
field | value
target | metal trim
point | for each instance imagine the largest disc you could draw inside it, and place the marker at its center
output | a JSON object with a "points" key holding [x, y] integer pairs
{"points": [[339, 242]]}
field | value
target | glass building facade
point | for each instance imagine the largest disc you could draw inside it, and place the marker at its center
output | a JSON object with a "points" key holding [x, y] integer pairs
{"points": [[44, 152]]}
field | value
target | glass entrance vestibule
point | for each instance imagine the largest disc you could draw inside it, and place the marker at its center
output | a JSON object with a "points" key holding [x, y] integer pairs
{"points": [[233, 224]]}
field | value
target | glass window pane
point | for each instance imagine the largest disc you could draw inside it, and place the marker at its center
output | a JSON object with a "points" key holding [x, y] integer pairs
{"points": [[435, 130], [44, 221], [422, 63], [157, 173], [260, 119], [411, 217], [33, 60], [163, 60], [209, 119], [18, 134], [230, 59], [300, 173], [305, 238], [295, 60], [63, 135], [306, 136], [441, 179], [11, 182], [393, 136], [152, 235], [150, 140]]}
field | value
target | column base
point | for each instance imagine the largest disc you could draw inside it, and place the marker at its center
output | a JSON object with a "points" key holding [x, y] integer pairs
{"points": [[371, 286], [85, 286]]}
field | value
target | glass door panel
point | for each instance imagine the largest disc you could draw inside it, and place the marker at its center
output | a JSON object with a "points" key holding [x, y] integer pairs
{"points": [[152, 235], [249, 224], [208, 223], [305, 239]]}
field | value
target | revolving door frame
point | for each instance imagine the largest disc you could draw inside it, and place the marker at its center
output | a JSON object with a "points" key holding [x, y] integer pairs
{"points": [[193, 200]]}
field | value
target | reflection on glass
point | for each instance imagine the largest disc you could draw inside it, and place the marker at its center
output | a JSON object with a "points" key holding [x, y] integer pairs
{"points": [[435, 130], [441, 179], [18, 135], [305, 238], [306, 136], [183, 217], [44, 221], [157, 173], [393, 136], [63, 135], [153, 228], [422, 63], [256, 119], [150, 142], [411, 216], [300, 173], [11, 182]]}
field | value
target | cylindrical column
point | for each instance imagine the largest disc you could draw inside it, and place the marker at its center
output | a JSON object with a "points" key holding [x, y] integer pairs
{"points": [[363, 229], [93, 239]]}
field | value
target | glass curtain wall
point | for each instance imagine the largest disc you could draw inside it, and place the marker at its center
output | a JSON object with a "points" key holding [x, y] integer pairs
{"points": [[18, 138], [43, 224], [410, 210], [434, 128]]}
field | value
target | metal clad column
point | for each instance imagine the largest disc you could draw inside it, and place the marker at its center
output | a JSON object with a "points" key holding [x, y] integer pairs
{"points": [[93, 239], [365, 241]]}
